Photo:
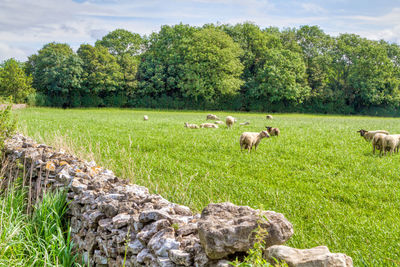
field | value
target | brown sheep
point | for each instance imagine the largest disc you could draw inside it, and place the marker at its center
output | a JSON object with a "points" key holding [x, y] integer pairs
{"points": [[273, 131]]}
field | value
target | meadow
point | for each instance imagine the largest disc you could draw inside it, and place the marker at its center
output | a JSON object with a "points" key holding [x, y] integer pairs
{"points": [[319, 173]]}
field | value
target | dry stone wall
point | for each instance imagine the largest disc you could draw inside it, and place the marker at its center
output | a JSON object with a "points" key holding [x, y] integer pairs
{"points": [[114, 223]]}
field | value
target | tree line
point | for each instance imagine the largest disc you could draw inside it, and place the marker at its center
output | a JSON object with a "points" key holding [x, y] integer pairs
{"points": [[225, 67]]}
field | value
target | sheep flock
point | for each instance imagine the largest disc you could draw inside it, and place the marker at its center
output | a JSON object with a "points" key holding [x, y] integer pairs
{"points": [[247, 140], [381, 140]]}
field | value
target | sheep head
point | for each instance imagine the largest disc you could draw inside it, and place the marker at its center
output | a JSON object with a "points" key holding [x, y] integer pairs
{"points": [[264, 134], [362, 132]]}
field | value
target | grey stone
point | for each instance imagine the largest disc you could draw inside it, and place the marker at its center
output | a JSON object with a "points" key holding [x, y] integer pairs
{"points": [[313, 257], [121, 220], [163, 241], [165, 262], [225, 229], [153, 215], [99, 259], [145, 256], [135, 247], [149, 230], [180, 257], [110, 209], [77, 186]]}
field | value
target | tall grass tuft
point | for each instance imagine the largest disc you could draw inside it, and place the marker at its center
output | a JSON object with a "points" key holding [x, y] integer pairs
{"points": [[39, 239]]}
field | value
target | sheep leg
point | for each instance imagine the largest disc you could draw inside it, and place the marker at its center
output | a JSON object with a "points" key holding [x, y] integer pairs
{"points": [[373, 151]]}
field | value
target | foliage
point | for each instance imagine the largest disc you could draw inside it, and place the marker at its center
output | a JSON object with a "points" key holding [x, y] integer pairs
{"points": [[14, 82], [101, 75], [235, 67], [7, 124], [319, 173], [57, 71], [37, 240], [212, 66]]}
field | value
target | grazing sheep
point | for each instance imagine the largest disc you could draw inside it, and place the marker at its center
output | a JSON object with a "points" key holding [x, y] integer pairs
{"points": [[269, 117], [230, 121], [208, 125], [244, 123], [250, 139], [145, 117], [212, 117], [368, 135], [377, 142], [218, 122], [273, 131], [391, 143], [191, 126]]}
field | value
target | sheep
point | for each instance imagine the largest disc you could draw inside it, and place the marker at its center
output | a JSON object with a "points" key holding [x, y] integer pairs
{"points": [[269, 117], [191, 126], [230, 121], [145, 118], [218, 122], [368, 135], [212, 117], [250, 139], [244, 123], [273, 131], [208, 125], [391, 143], [377, 142]]}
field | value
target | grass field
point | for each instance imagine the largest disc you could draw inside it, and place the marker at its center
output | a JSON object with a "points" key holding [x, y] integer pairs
{"points": [[319, 173]]}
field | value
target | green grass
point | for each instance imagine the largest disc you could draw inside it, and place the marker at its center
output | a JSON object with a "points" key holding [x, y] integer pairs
{"points": [[319, 173], [39, 239]]}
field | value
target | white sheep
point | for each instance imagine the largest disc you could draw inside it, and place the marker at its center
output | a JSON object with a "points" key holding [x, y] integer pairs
{"points": [[212, 117], [218, 122], [273, 131], [250, 139], [145, 118], [368, 135], [269, 117], [230, 121], [244, 123], [377, 142], [208, 125], [391, 143], [191, 126]]}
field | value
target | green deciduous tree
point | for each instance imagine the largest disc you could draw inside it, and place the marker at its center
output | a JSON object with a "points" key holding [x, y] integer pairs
{"points": [[14, 82], [212, 66], [57, 71], [102, 76]]}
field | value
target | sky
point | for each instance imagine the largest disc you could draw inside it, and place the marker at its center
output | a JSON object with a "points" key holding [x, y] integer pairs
{"points": [[27, 25]]}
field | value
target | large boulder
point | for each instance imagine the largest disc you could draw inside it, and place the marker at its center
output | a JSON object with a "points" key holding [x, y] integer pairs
{"points": [[313, 257], [225, 228]]}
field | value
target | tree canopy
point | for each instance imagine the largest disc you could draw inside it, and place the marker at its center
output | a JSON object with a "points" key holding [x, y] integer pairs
{"points": [[238, 67]]}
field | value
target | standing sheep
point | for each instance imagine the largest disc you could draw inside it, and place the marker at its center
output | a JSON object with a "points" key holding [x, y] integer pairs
{"points": [[230, 121], [377, 142], [145, 118], [212, 117], [250, 139], [391, 143], [273, 131], [269, 117], [208, 125], [368, 135], [191, 126]]}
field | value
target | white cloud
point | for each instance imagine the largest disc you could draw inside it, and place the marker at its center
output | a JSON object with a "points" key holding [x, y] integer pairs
{"points": [[25, 26]]}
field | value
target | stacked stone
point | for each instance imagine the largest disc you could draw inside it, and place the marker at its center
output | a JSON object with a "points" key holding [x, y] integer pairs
{"points": [[114, 223]]}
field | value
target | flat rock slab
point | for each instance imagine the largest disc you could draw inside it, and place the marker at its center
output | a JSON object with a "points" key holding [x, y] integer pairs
{"points": [[313, 257], [225, 228]]}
